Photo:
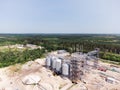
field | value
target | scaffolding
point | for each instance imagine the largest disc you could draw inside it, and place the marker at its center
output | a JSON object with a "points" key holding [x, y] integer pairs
{"points": [[96, 63], [95, 56], [76, 70]]}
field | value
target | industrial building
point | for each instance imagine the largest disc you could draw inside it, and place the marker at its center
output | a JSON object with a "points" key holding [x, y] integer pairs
{"points": [[72, 66]]}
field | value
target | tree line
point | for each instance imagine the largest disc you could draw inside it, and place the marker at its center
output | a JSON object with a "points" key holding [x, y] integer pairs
{"points": [[109, 46], [13, 57]]}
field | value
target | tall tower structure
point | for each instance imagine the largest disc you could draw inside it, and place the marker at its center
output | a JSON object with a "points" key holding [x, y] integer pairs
{"points": [[96, 57], [76, 70]]}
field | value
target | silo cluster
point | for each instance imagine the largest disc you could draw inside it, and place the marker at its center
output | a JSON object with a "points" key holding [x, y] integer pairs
{"points": [[58, 65], [73, 66]]}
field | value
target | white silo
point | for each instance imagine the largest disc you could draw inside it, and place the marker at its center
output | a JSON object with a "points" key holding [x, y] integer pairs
{"points": [[53, 62], [58, 65], [65, 69], [48, 61]]}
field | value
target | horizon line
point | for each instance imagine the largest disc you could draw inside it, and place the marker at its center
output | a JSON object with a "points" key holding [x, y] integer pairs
{"points": [[55, 33]]}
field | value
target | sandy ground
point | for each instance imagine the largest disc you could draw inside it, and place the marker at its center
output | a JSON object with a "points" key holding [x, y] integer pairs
{"points": [[11, 78]]}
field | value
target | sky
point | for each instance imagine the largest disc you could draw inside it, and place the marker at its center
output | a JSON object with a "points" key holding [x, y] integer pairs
{"points": [[60, 16]]}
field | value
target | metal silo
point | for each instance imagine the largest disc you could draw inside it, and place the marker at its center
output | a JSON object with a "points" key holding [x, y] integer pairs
{"points": [[58, 65], [53, 62], [48, 61], [65, 69]]}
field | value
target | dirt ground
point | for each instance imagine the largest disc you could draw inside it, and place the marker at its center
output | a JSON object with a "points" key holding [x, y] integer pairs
{"points": [[11, 78]]}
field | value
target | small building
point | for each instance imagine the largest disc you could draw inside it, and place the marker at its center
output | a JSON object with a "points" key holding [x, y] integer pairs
{"points": [[61, 51]]}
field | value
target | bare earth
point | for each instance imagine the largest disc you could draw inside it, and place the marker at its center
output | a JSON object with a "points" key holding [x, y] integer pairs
{"points": [[11, 78]]}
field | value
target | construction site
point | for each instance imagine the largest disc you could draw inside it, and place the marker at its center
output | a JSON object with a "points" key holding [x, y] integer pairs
{"points": [[61, 70], [84, 68]]}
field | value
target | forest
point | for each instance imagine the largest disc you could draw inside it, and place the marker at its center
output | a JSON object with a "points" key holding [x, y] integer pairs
{"points": [[109, 45]]}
